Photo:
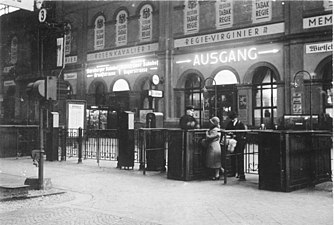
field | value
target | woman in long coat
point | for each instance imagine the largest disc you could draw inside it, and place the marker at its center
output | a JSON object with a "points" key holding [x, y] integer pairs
{"points": [[213, 153]]}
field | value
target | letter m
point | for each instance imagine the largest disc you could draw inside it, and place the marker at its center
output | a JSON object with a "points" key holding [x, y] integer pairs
{"points": [[328, 19], [312, 22]]}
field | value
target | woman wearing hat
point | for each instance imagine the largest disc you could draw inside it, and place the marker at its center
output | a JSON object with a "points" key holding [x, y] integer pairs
{"points": [[213, 153]]}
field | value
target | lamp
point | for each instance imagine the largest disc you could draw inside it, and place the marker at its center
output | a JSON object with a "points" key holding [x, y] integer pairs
{"points": [[298, 81]]}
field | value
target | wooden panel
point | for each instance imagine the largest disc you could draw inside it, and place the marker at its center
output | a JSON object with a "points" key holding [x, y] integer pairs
{"points": [[195, 157], [176, 159], [298, 160], [322, 146], [271, 164], [290, 160]]}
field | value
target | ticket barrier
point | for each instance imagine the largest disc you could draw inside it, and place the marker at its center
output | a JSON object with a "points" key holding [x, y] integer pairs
{"points": [[155, 140], [126, 140]]}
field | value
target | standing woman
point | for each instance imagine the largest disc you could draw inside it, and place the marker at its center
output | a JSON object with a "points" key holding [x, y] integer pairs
{"points": [[213, 153]]}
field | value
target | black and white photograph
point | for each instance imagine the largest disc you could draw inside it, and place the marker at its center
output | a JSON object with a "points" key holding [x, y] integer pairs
{"points": [[159, 112]]}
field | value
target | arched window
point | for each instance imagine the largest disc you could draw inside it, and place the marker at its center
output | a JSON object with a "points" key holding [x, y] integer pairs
{"points": [[224, 77], [122, 28], [121, 85], [193, 94], [264, 97], [145, 21], [99, 33]]}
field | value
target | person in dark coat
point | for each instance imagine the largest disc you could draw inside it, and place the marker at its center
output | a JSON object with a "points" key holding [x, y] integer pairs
{"points": [[188, 120], [237, 160], [213, 153]]}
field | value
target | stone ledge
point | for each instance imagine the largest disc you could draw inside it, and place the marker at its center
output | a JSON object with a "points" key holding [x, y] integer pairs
{"points": [[13, 191], [34, 183]]}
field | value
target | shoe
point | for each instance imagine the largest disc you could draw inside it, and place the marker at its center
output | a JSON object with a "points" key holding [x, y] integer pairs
{"points": [[216, 178]]}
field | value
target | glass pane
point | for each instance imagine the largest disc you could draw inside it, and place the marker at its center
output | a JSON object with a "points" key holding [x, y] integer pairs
{"points": [[258, 98], [257, 117], [329, 111], [93, 119], [274, 97], [225, 77], [275, 116], [267, 118], [196, 100], [121, 85], [266, 101], [103, 119], [329, 100]]}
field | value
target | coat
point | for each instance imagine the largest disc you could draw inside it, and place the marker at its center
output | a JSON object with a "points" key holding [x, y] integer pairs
{"points": [[213, 153], [188, 122], [239, 137]]}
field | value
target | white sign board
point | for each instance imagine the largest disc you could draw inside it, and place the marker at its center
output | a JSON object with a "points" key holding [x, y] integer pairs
{"points": [[76, 115], [318, 21], [55, 116], [22, 4], [250, 32], [319, 47]]}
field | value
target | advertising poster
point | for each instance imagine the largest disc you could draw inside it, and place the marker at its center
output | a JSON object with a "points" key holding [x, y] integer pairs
{"points": [[75, 114]]}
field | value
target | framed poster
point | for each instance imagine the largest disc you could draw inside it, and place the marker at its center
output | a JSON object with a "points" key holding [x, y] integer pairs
{"points": [[75, 114], [297, 103], [242, 101]]}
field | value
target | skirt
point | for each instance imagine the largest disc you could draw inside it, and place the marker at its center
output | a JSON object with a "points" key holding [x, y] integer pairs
{"points": [[213, 155]]}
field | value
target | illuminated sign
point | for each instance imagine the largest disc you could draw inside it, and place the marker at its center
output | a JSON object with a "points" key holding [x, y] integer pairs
{"points": [[228, 56], [230, 35], [141, 49], [125, 68]]}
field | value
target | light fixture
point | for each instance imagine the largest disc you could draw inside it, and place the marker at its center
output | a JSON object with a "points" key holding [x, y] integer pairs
{"points": [[155, 79]]}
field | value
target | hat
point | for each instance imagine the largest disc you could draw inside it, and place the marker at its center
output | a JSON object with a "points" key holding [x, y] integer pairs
{"points": [[215, 120], [190, 107], [232, 115]]}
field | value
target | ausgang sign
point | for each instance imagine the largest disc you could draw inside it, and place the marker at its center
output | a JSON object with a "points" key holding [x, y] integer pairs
{"points": [[229, 55]]}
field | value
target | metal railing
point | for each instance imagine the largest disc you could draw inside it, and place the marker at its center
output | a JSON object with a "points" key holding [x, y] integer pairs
{"points": [[96, 144], [104, 145], [249, 156]]}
